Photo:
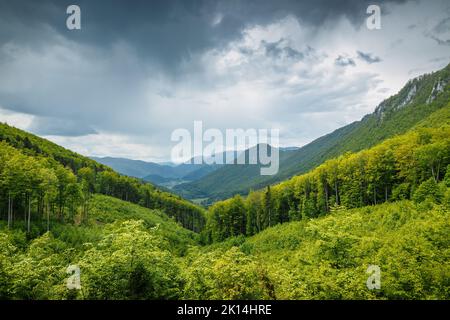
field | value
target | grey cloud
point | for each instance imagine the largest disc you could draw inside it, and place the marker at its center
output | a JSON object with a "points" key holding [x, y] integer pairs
{"points": [[280, 49], [440, 30], [443, 26], [166, 93], [246, 51], [440, 59], [368, 57], [60, 127], [344, 61], [383, 90], [292, 53], [441, 42]]}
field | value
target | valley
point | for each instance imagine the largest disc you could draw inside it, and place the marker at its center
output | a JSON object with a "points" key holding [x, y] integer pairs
{"points": [[375, 192]]}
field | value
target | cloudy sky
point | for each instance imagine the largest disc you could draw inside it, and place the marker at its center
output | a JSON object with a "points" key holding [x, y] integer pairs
{"points": [[137, 70]]}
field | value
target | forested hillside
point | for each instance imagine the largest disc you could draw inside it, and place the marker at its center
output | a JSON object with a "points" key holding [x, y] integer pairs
{"points": [[418, 99], [410, 166], [41, 179], [328, 257], [123, 250], [150, 258]]}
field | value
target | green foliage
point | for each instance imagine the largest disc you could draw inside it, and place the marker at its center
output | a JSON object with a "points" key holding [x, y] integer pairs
{"points": [[327, 258], [428, 190], [134, 257], [129, 262], [106, 209], [413, 163], [225, 275], [39, 271]]}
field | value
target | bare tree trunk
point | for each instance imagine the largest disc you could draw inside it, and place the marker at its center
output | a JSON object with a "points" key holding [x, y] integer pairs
{"points": [[48, 217], [12, 212], [258, 221], [85, 212], [386, 193], [437, 173], [62, 211], [24, 203], [29, 214], [336, 190], [9, 210]]}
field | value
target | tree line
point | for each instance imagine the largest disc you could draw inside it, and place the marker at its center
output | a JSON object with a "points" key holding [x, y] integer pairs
{"points": [[36, 187], [409, 166]]}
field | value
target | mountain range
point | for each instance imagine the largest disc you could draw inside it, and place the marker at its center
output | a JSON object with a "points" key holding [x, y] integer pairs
{"points": [[168, 174], [161, 174]]}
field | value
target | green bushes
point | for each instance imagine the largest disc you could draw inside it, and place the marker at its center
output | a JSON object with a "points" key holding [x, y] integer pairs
{"points": [[132, 262], [429, 190], [327, 258], [225, 274]]}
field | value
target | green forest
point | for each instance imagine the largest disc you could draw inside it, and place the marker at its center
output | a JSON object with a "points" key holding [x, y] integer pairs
{"points": [[412, 166], [312, 236]]}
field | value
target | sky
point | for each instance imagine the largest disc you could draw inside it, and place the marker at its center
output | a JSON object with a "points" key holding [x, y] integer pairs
{"points": [[138, 70]]}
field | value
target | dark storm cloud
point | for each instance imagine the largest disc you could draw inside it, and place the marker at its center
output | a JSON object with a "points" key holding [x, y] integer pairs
{"points": [[368, 57], [164, 32]]}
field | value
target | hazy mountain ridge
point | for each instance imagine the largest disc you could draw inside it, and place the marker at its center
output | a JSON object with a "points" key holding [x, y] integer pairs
{"points": [[169, 174], [141, 169]]}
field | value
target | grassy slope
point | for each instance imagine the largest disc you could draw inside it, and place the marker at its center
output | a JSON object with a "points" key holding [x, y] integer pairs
{"points": [[104, 210], [356, 136]]}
